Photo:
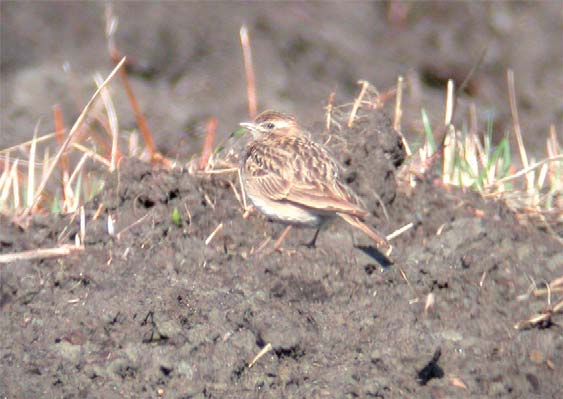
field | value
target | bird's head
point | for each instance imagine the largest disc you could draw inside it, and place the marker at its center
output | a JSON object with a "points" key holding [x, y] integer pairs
{"points": [[273, 122]]}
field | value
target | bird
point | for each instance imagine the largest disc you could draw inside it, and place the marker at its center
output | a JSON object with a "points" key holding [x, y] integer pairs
{"points": [[293, 179]]}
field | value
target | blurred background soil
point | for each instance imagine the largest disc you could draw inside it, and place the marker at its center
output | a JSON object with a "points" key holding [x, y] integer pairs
{"points": [[160, 312], [188, 64]]}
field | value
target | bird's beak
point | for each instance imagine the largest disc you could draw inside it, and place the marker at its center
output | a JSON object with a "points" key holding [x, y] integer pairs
{"points": [[251, 127], [248, 125]]}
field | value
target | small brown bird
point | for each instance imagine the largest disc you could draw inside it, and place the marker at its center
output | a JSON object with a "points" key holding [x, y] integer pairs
{"points": [[294, 180]]}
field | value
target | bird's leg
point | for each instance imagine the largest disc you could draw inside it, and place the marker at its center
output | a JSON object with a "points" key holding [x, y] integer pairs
{"points": [[313, 242], [283, 235]]}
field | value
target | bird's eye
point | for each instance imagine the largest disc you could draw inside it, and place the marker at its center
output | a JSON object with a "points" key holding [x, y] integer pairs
{"points": [[269, 125]]}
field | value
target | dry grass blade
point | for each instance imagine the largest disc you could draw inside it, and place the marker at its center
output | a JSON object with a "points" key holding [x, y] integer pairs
{"points": [[64, 163], [430, 302], [31, 168], [41, 253], [214, 233], [262, 352], [450, 148], [554, 287], [450, 102], [111, 225], [357, 102], [399, 115], [68, 185], [98, 212], [245, 205], [515, 118], [398, 105], [329, 111], [82, 225], [400, 231], [5, 173], [527, 169], [542, 319], [113, 124], [221, 171], [38, 140], [16, 187], [9, 182], [72, 132], [92, 154]]}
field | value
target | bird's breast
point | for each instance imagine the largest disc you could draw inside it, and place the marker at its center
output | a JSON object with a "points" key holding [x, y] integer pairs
{"points": [[286, 212]]}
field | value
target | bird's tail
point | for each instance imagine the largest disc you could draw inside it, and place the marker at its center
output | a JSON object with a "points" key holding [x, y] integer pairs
{"points": [[373, 234]]}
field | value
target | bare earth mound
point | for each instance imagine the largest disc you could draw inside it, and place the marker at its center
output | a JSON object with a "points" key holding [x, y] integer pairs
{"points": [[158, 312]]}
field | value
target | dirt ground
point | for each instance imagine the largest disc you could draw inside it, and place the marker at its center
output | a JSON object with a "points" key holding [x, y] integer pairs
{"points": [[187, 63], [154, 311], [157, 312]]}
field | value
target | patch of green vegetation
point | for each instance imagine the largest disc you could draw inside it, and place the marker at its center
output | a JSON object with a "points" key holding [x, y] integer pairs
{"points": [[176, 217]]}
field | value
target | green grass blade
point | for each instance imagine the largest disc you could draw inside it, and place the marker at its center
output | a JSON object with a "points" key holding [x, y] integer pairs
{"points": [[428, 131]]}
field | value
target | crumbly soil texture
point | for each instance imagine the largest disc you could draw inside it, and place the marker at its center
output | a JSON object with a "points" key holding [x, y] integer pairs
{"points": [[166, 308]]}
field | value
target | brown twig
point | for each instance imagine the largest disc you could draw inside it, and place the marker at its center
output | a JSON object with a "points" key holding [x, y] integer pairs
{"points": [[115, 54], [41, 253], [380, 99], [207, 150], [249, 71], [139, 116]]}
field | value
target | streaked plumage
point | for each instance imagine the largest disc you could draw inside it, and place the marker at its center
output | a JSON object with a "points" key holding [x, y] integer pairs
{"points": [[295, 180]]}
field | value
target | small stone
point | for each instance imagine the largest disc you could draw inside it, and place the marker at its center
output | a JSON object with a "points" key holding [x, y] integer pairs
{"points": [[497, 389], [536, 356], [282, 330], [169, 329], [68, 351], [185, 370], [452, 335]]}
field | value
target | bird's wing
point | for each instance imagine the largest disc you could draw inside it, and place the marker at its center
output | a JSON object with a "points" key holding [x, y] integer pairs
{"points": [[261, 172], [323, 198], [300, 171]]}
